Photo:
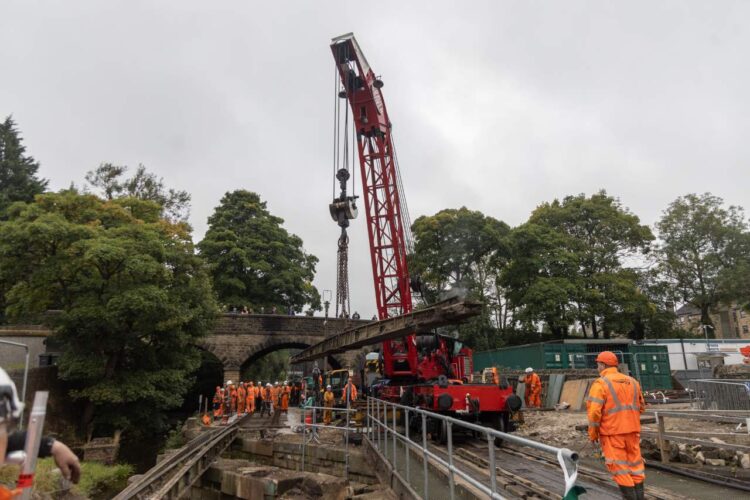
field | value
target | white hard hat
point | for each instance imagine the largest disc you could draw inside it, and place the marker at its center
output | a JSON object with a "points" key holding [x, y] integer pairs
{"points": [[259, 383], [529, 369], [286, 382], [268, 384], [328, 387], [8, 393], [229, 382], [277, 383]]}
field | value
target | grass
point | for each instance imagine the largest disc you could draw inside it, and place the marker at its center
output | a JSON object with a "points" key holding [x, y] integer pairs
{"points": [[98, 481]]}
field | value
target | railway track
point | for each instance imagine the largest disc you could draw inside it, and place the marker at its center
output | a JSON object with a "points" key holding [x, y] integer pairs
{"points": [[529, 475], [172, 477]]}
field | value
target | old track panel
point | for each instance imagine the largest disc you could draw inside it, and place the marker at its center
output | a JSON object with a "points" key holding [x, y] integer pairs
{"points": [[173, 477]]}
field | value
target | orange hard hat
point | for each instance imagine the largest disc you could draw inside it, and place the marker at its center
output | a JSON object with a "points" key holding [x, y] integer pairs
{"points": [[608, 358]]}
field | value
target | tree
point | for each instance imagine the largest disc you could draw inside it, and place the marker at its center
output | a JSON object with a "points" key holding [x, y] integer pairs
{"points": [[704, 250], [133, 299], [465, 250], [567, 264], [541, 278], [18, 171], [108, 178], [254, 261]]}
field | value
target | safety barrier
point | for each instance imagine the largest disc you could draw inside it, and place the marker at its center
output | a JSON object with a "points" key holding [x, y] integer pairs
{"points": [[386, 438], [312, 435], [720, 394]]}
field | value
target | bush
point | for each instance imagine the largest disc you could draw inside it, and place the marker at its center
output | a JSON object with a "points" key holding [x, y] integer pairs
{"points": [[98, 481]]}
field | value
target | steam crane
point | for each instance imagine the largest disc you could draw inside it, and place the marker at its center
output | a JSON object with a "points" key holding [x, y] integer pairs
{"points": [[429, 371]]}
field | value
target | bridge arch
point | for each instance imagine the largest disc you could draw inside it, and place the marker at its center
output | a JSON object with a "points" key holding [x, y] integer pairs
{"points": [[238, 339]]}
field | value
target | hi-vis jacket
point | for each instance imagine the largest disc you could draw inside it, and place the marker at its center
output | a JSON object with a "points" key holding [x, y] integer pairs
{"points": [[614, 405]]}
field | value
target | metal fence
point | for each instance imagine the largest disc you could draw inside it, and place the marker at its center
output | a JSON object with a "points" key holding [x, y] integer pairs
{"points": [[398, 446], [310, 431], [720, 394]]}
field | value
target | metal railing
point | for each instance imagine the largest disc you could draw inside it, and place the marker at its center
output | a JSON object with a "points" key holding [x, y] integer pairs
{"points": [[720, 394], [386, 438], [312, 435]]}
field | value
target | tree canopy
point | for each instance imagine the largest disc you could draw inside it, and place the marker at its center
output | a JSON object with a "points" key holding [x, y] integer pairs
{"points": [[463, 250], [133, 299], [18, 171], [568, 265], [705, 251], [254, 261], [110, 180]]}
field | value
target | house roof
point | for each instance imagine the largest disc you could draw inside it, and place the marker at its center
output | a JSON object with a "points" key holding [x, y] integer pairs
{"points": [[687, 310]]}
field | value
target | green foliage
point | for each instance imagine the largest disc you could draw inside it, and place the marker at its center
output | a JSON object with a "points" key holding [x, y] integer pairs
{"points": [[464, 250], [108, 178], [254, 261], [175, 439], [132, 295], [18, 179], [567, 265], [98, 481], [705, 251], [272, 367]]}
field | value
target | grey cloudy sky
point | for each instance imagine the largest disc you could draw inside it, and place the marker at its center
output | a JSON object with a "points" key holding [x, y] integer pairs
{"points": [[496, 105]]}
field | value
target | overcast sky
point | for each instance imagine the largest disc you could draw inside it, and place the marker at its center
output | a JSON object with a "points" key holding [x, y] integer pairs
{"points": [[497, 106]]}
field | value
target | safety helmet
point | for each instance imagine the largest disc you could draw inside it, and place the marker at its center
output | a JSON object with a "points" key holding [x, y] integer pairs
{"points": [[268, 384], [10, 406], [259, 382], [529, 369], [328, 387], [608, 358], [229, 382]]}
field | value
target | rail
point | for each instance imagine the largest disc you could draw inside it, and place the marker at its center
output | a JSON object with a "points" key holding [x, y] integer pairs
{"points": [[381, 432], [314, 426], [173, 476]]}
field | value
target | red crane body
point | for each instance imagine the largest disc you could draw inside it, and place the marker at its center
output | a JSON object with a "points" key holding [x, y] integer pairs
{"points": [[423, 380], [381, 196]]}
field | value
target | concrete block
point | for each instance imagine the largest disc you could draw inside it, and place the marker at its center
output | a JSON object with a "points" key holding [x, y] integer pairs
{"points": [[745, 461], [717, 462], [263, 448]]}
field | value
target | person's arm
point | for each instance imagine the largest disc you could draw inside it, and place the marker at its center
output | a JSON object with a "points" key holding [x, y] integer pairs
{"points": [[64, 458], [594, 407]]}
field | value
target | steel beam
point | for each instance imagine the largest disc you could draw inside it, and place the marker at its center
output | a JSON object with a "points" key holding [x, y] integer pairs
{"points": [[443, 313]]}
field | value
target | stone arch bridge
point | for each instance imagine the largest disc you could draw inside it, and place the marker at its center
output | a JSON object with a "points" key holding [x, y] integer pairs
{"points": [[237, 340]]}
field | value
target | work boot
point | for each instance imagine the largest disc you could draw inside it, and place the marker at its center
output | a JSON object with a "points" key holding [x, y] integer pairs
{"points": [[628, 493], [639, 493]]}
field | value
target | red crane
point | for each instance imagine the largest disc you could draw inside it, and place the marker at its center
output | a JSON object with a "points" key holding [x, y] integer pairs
{"points": [[437, 377], [385, 210]]}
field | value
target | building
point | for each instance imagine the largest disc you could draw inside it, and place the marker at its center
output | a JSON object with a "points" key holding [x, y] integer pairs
{"points": [[730, 322]]}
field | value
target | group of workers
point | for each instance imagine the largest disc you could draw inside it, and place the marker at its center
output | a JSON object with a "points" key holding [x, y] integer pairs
{"points": [[249, 398], [329, 399]]}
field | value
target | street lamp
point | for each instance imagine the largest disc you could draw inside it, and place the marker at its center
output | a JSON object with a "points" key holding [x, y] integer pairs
{"points": [[327, 300]]}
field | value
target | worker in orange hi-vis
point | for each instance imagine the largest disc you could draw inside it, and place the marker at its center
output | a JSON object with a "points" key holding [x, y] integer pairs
{"points": [[241, 397], [275, 394], [614, 408], [285, 393], [533, 390], [218, 401], [232, 398], [328, 400], [250, 398], [351, 389], [267, 404]]}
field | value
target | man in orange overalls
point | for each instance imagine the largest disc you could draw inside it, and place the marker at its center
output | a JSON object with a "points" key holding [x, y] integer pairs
{"points": [[351, 389], [250, 398], [218, 401], [285, 392], [533, 391], [241, 395], [614, 408]]}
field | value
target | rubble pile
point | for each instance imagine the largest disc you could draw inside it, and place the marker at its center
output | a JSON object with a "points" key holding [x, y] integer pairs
{"points": [[697, 454]]}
